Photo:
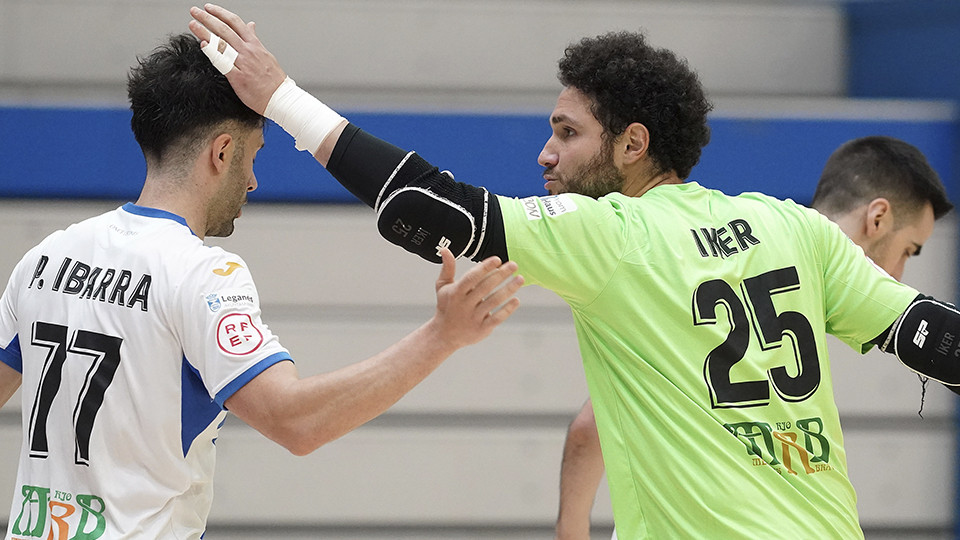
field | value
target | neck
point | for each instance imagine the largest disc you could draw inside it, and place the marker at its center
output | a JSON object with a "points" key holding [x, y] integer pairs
{"points": [[635, 187], [177, 195], [852, 224]]}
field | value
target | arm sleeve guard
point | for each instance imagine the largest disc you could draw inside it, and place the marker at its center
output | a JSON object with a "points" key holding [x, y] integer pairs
{"points": [[419, 208], [925, 339]]}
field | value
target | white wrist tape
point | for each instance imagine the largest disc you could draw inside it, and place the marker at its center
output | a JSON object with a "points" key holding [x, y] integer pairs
{"points": [[301, 115], [223, 61]]}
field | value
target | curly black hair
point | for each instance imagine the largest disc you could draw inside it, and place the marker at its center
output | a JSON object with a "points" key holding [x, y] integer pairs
{"points": [[630, 81], [178, 97]]}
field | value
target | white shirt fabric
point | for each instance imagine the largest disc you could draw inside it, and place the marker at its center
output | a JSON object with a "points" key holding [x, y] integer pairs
{"points": [[130, 335]]}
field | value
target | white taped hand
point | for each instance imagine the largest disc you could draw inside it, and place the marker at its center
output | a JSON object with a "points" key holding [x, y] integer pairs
{"points": [[300, 114], [223, 61]]}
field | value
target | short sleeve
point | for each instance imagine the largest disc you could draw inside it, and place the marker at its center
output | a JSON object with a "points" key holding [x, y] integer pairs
{"points": [[224, 337], [564, 242], [861, 299], [9, 328]]}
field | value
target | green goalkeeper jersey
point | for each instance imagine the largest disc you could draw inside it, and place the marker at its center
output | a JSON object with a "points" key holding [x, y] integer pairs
{"points": [[701, 321]]}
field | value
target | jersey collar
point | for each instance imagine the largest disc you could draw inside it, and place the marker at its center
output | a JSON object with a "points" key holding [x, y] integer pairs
{"points": [[155, 213]]}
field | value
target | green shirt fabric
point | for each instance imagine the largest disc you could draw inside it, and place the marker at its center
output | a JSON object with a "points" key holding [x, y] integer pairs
{"points": [[701, 319]]}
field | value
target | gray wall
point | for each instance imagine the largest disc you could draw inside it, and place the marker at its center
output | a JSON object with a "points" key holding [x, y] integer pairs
{"points": [[417, 54], [474, 451]]}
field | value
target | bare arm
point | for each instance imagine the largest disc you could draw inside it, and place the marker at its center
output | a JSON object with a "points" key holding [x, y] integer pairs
{"points": [[580, 476], [9, 382], [303, 414]]}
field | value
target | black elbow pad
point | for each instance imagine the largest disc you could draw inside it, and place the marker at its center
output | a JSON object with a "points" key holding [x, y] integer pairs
{"points": [[422, 222], [418, 207], [925, 339], [432, 211]]}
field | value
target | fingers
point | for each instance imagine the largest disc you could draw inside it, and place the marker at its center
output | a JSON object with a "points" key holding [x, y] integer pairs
{"points": [[493, 289], [487, 279], [231, 19], [449, 270], [497, 316], [476, 275], [502, 297], [213, 24], [200, 31]]}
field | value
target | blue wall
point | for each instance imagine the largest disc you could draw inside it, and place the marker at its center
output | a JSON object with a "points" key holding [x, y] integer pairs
{"points": [[90, 153], [904, 49]]}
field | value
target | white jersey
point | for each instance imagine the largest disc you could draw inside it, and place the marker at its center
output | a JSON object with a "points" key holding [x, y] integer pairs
{"points": [[130, 334]]}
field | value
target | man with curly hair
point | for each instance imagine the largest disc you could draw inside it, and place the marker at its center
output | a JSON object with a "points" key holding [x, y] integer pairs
{"points": [[875, 188], [700, 316]]}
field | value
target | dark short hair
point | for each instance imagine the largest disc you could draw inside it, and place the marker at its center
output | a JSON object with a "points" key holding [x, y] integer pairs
{"points": [[178, 97], [630, 81], [877, 166]]}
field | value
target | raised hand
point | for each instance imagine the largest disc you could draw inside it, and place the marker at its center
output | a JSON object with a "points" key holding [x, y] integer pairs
{"points": [[469, 308], [256, 74]]}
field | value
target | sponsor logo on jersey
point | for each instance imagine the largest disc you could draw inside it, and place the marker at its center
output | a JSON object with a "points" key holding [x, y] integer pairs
{"points": [[550, 206], [531, 207], [213, 302], [777, 445], [231, 268], [48, 513], [117, 286], [238, 335], [557, 205], [237, 298]]}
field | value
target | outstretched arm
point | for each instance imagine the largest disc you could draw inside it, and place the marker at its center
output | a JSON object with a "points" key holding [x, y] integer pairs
{"points": [[303, 414], [418, 207], [580, 476]]}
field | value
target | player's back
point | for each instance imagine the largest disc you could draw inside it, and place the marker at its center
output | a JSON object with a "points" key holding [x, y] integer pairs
{"points": [[701, 320], [118, 429]]}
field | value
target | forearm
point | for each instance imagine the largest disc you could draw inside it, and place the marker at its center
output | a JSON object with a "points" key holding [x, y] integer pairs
{"points": [[580, 475], [10, 380], [418, 207], [924, 340], [340, 401], [322, 155], [304, 414]]}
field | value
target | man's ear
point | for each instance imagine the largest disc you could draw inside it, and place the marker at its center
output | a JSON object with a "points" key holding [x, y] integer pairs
{"points": [[220, 152], [634, 143], [879, 218]]}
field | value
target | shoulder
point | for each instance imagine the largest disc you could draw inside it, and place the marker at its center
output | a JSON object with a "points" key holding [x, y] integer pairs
{"points": [[201, 263]]}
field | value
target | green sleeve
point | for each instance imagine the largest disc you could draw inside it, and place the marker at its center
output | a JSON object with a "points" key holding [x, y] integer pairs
{"points": [[564, 242], [861, 299]]}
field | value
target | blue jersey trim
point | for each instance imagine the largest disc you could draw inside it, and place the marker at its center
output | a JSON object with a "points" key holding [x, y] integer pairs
{"points": [[11, 354], [197, 410], [248, 375], [155, 213]]}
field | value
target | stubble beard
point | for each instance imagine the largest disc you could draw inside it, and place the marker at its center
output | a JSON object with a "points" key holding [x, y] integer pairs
{"points": [[595, 178], [227, 203]]}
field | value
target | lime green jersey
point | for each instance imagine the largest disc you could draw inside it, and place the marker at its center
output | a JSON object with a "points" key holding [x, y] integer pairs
{"points": [[701, 319]]}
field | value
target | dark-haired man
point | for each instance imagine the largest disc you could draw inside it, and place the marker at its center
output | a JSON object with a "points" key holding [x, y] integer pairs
{"points": [[882, 193], [701, 317], [132, 339]]}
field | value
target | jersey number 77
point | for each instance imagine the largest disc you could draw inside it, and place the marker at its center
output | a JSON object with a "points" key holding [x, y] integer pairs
{"points": [[105, 351]]}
